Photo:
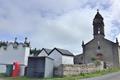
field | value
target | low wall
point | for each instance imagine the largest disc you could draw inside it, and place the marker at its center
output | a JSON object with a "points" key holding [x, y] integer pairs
{"points": [[64, 70]]}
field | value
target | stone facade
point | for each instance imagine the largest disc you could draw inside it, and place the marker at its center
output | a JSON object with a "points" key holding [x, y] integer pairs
{"points": [[100, 47], [109, 51], [78, 59]]}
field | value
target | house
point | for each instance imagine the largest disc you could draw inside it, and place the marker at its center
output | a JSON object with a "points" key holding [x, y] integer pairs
{"points": [[40, 67], [11, 52], [61, 56], [44, 52]]}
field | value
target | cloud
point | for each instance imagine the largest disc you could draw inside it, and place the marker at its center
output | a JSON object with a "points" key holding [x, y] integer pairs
{"points": [[56, 23], [66, 30]]}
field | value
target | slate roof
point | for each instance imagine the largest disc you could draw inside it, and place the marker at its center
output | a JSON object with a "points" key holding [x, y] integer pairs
{"points": [[36, 52], [47, 50], [63, 52]]}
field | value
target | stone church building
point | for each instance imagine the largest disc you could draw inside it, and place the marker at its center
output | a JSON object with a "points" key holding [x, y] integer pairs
{"points": [[99, 47]]}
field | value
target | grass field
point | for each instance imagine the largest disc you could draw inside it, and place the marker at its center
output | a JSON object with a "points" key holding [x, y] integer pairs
{"points": [[77, 77]]}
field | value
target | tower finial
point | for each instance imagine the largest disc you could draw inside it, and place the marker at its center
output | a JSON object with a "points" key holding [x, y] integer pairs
{"points": [[25, 39], [117, 41], [97, 10], [82, 42]]}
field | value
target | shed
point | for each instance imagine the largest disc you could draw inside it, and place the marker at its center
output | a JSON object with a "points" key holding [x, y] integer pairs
{"points": [[40, 67]]}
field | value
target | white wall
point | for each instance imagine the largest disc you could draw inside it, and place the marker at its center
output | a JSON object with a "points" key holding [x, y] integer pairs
{"points": [[26, 55], [22, 70], [61, 59], [49, 67], [11, 55], [43, 53], [57, 58], [2, 68], [67, 59]]}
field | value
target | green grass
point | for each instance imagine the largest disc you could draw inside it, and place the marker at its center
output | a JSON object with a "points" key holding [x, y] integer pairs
{"points": [[77, 77]]}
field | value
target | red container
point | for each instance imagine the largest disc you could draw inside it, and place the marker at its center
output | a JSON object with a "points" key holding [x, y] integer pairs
{"points": [[16, 69]]}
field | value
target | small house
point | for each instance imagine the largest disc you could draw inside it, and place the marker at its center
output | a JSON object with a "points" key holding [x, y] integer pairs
{"points": [[44, 52], [61, 56]]}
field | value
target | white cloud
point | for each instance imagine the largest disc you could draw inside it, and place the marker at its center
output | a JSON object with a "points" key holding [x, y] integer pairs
{"points": [[66, 31], [57, 23]]}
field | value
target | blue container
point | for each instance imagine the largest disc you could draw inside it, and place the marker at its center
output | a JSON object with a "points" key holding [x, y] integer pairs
{"points": [[9, 69]]}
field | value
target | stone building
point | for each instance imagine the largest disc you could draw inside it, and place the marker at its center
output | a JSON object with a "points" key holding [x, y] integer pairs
{"points": [[78, 59], [99, 47]]}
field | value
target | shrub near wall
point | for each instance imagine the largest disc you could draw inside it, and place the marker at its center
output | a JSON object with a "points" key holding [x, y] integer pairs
{"points": [[65, 70]]}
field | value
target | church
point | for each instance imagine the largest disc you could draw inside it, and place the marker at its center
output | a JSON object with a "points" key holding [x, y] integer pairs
{"points": [[99, 47]]}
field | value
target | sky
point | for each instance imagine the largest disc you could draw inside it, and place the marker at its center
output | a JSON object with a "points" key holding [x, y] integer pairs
{"points": [[57, 23]]}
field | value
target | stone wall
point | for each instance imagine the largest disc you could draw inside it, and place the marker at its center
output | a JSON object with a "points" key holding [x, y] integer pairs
{"points": [[64, 70]]}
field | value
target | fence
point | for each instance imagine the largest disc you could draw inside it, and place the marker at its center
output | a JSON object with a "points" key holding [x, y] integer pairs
{"points": [[64, 70]]}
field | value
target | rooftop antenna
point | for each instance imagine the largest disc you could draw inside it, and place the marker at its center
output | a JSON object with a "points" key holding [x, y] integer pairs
{"points": [[15, 39], [25, 39]]}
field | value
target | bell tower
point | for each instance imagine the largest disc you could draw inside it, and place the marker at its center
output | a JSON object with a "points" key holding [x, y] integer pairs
{"points": [[98, 25]]}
